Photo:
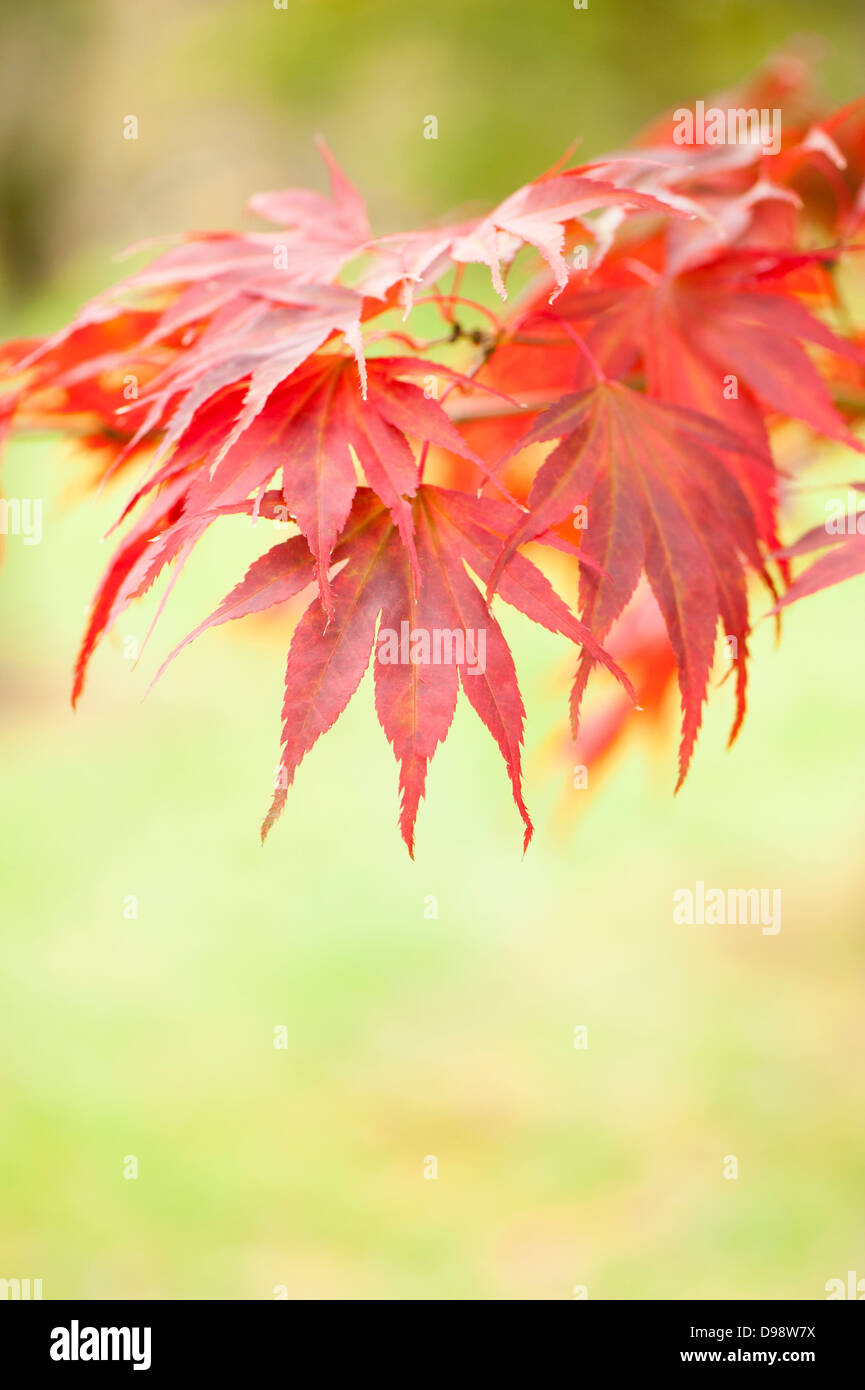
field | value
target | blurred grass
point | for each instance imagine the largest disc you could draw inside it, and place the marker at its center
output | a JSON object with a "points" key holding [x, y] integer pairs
{"points": [[406, 1037]]}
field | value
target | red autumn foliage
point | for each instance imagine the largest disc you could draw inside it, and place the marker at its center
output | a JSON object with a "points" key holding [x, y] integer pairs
{"points": [[675, 304]]}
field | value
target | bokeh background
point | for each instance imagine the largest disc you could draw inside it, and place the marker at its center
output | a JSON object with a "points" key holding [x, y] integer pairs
{"points": [[303, 1168]]}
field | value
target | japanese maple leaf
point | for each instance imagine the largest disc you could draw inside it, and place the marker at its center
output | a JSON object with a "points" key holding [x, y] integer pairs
{"points": [[844, 558], [535, 215], [80, 382], [415, 695], [311, 428], [163, 533], [317, 236], [241, 308], [254, 340], [730, 316], [207, 270], [725, 339], [325, 232], [661, 499], [737, 193], [638, 639]]}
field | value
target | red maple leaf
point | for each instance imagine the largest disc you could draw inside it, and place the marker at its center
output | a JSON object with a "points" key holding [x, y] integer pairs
{"points": [[660, 498], [436, 633]]}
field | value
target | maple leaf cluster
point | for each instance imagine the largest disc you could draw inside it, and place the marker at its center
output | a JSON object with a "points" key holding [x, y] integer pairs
{"points": [[611, 404]]}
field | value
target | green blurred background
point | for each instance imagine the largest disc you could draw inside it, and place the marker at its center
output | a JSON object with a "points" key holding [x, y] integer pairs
{"points": [[303, 1168]]}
